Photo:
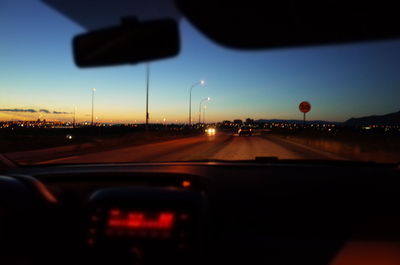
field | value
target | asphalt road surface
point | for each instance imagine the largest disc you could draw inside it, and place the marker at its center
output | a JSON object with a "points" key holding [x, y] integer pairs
{"points": [[220, 146]]}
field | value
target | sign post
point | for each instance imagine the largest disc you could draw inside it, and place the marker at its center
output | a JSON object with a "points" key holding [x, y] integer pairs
{"points": [[304, 107]]}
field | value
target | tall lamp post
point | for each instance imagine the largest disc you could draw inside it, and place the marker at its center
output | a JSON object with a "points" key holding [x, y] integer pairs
{"points": [[201, 102], [147, 95], [74, 123], [93, 90], [201, 82], [204, 114]]}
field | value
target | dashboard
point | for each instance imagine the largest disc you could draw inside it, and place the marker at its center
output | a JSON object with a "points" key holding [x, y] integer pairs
{"points": [[195, 212]]}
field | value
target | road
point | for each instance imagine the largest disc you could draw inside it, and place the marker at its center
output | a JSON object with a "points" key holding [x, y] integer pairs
{"points": [[221, 146]]}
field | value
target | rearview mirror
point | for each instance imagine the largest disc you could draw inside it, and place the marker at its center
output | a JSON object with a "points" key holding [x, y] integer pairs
{"points": [[132, 42]]}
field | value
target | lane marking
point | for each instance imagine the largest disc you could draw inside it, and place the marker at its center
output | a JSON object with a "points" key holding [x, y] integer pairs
{"points": [[57, 160]]}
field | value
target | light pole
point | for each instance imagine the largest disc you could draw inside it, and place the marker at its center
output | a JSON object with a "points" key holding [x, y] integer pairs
{"points": [[74, 117], [204, 114], [147, 95], [201, 102], [93, 90], [201, 82]]}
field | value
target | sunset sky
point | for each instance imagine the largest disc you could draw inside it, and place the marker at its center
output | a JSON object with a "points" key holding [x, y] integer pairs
{"points": [[37, 73]]}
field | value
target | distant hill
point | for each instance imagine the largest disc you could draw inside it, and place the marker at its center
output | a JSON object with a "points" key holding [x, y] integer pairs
{"points": [[295, 121], [388, 119]]}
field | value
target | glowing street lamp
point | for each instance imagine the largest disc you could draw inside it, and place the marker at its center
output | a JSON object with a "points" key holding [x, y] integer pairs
{"points": [[201, 82], [201, 102]]}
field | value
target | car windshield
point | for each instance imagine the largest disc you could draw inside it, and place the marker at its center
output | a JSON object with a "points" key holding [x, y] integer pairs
{"points": [[337, 102]]}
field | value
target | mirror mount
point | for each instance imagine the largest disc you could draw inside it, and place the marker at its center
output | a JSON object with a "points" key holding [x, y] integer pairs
{"points": [[129, 21]]}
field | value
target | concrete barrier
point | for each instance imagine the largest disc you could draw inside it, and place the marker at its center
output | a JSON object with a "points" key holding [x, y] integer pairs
{"points": [[350, 151]]}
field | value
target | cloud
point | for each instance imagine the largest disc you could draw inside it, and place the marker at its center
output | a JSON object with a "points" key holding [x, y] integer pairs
{"points": [[61, 112], [18, 110], [35, 111]]}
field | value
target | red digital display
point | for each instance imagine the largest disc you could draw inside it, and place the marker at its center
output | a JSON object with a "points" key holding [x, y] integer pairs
{"points": [[140, 220]]}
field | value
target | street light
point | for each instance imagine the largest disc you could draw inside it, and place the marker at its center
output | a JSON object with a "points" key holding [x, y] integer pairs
{"points": [[201, 102], [74, 116], [147, 95], [204, 114], [201, 82], [93, 90]]}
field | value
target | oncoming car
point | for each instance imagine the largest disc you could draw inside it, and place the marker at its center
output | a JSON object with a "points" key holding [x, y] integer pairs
{"points": [[245, 130], [210, 131]]}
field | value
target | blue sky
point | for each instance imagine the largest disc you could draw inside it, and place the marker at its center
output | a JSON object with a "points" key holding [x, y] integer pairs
{"points": [[37, 71]]}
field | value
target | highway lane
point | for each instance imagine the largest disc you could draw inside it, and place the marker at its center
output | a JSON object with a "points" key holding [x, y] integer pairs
{"points": [[221, 146], [245, 147]]}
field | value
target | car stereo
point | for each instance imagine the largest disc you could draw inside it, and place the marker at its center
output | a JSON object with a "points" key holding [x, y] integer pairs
{"points": [[144, 225]]}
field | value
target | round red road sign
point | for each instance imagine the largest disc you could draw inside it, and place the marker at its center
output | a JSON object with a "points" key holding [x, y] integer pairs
{"points": [[305, 106]]}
